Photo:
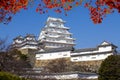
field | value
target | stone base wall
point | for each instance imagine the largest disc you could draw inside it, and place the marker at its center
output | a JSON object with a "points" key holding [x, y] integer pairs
{"points": [[85, 66], [40, 63], [89, 66], [89, 63]]}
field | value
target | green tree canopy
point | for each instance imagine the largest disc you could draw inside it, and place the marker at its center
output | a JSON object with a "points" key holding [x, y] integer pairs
{"points": [[8, 76], [110, 68], [13, 60]]}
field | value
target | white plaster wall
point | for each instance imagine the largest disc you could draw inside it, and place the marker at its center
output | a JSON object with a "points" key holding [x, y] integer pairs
{"points": [[107, 48], [31, 42], [51, 24], [61, 41], [29, 47], [90, 57], [41, 35], [69, 76], [28, 38], [54, 55]]}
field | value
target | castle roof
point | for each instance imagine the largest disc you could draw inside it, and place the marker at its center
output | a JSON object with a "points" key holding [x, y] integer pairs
{"points": [[54, 19], [84, 50], [105, 43], [56, 50], [106, 52], [18, 37]]}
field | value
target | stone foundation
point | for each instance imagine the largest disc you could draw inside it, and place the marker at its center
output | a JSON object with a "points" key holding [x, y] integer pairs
{"points": [[89, 66], [85, 66], [40, 63]]}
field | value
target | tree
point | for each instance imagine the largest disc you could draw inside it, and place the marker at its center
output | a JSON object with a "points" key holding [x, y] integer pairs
{"points": [[10, 7], [98, 8], [3, 46], [57, 66], [8, 76], [110, 68], [11, 61]]}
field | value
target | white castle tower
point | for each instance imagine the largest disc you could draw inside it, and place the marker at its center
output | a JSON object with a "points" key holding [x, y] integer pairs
{"points": [[27, 42], [55, 34]]}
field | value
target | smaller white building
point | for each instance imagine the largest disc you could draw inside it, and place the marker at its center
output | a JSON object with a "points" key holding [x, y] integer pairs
{"points": [[27, 42], [101, 52]]}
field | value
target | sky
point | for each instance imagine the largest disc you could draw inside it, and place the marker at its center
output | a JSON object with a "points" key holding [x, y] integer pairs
{"points": [[86, 33]]}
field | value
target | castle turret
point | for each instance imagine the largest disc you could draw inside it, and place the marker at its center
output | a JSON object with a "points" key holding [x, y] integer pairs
{"points": [[27, 42], [17, 42]]}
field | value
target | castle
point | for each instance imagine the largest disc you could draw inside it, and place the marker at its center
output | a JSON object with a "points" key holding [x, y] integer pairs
{"points": [[55, 41]]}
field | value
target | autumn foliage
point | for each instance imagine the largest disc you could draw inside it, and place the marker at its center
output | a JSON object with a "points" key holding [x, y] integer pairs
{"points": [[10, 7], [98, 8]]}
